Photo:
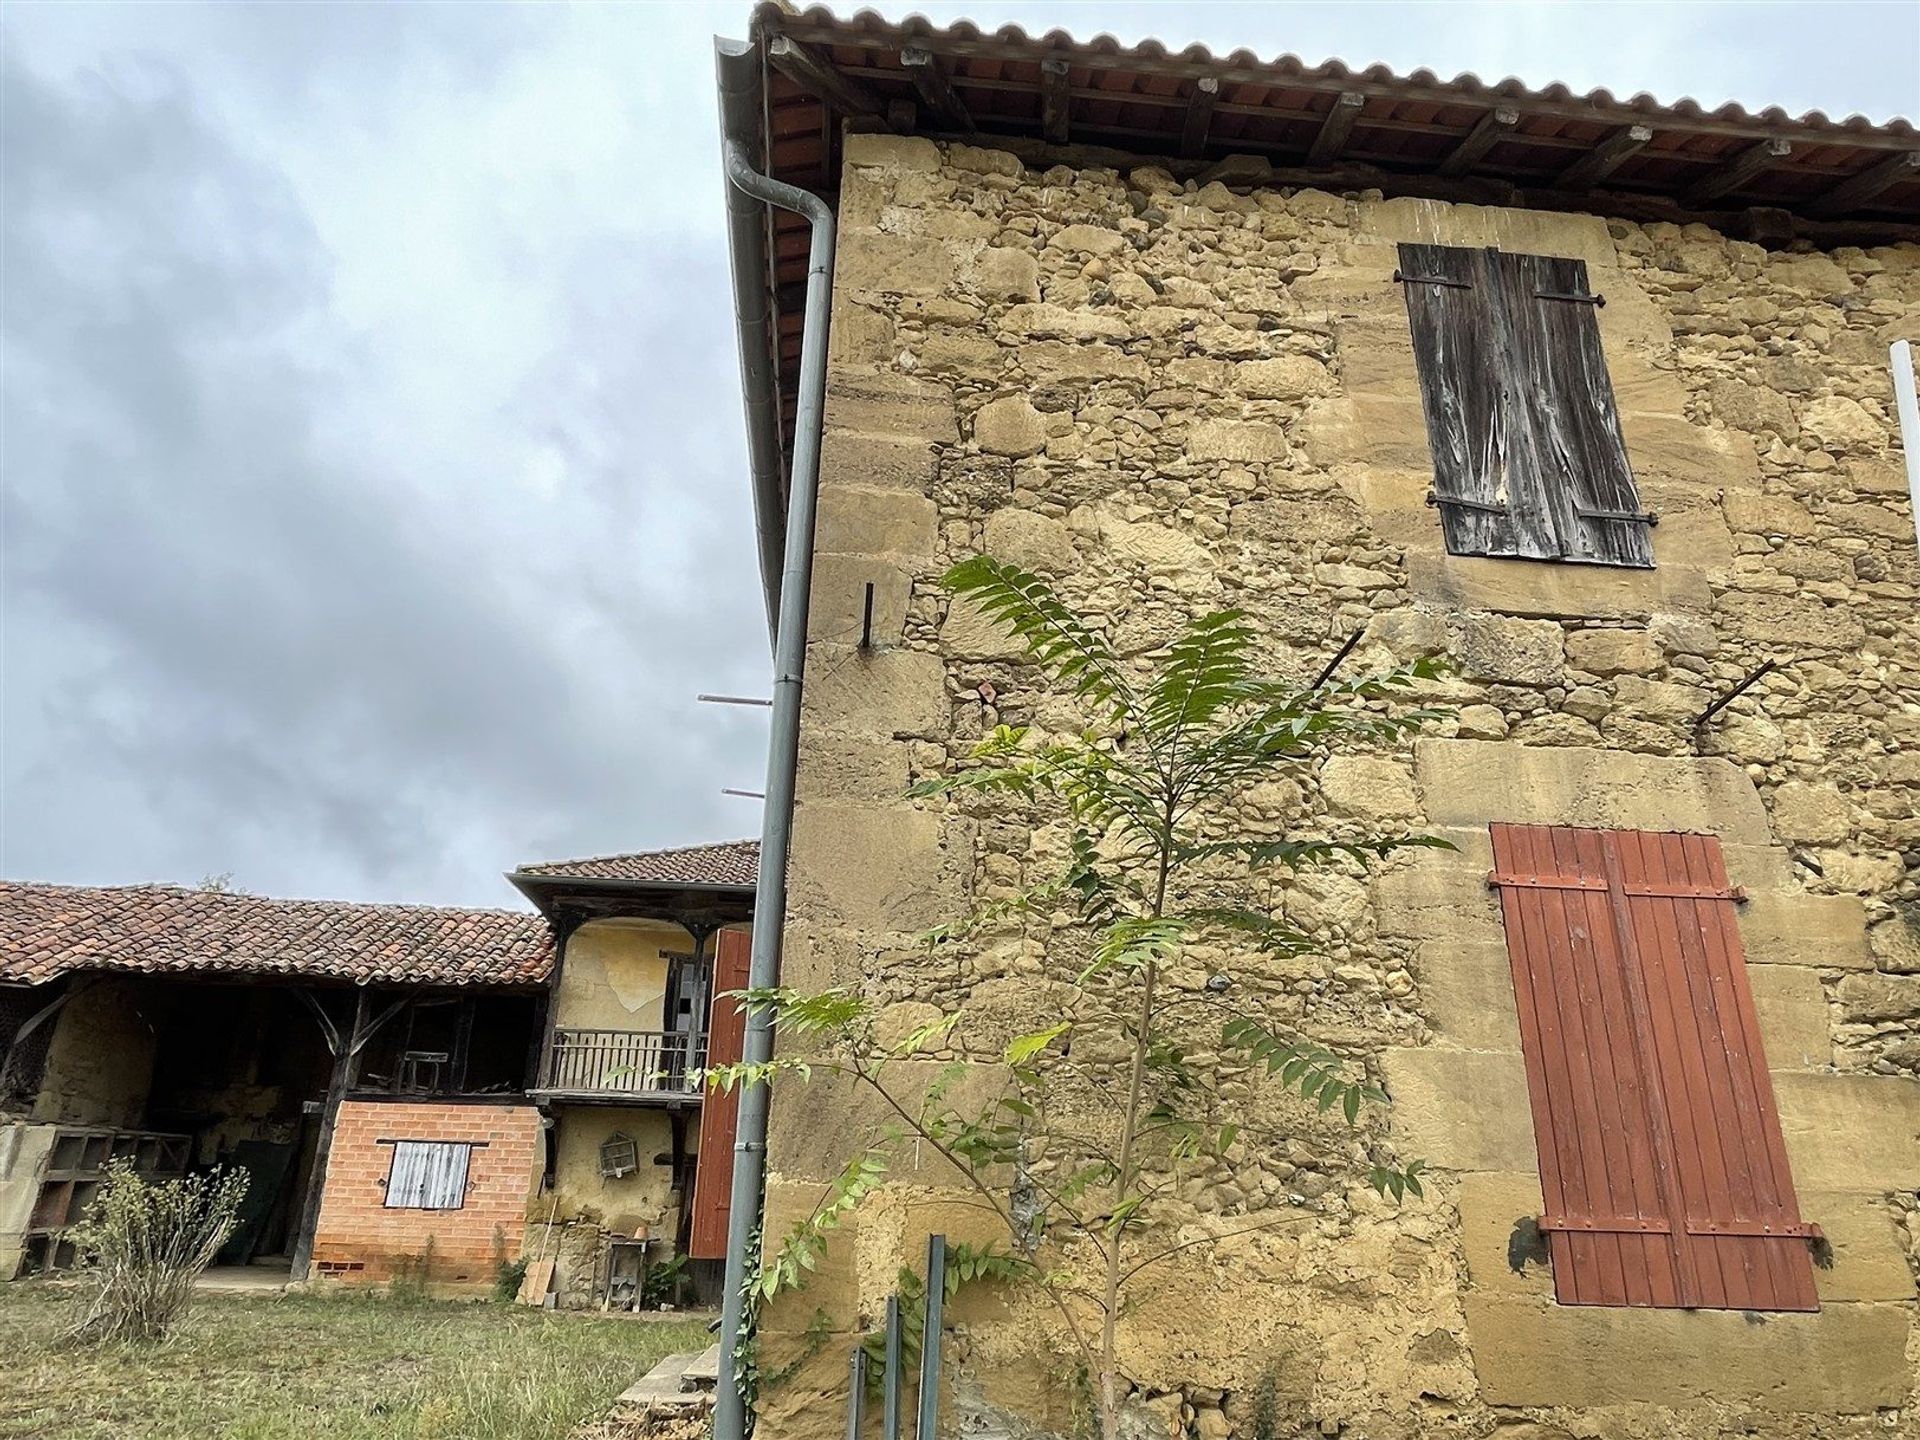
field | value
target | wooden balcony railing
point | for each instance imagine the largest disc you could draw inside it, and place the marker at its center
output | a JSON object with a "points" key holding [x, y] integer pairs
{"points": [[624, 1062]]}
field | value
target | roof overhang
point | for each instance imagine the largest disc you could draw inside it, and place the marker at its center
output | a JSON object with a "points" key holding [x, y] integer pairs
{"points": [[564, 898]]}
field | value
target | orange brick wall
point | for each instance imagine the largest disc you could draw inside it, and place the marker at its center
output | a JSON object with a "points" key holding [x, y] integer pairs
{"points": [[360, 1240]]}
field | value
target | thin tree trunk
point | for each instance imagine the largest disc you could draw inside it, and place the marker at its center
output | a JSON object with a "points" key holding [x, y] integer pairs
{"points": [[1130, 1129]]}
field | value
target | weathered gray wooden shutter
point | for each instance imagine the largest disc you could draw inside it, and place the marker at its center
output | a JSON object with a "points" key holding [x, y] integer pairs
{"points": [[1529, 460], [1456, 348], [407, 1176], [1576, 440], [428, 1175]]}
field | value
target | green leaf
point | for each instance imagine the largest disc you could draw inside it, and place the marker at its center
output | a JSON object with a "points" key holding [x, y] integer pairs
{"points": [[1025, 606], [1024, 1047]]}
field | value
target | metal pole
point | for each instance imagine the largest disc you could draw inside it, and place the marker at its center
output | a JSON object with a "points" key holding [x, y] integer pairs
{"points": [[1908, 403], [783, 746], [930, 1338], [857, 1392], [890, 1377]]}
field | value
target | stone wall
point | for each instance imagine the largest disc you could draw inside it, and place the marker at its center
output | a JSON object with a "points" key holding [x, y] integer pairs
{"points": [[1173, 398]]}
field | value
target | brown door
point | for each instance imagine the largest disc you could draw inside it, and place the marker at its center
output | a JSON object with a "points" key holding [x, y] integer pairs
{"points": [[720, 1113]]}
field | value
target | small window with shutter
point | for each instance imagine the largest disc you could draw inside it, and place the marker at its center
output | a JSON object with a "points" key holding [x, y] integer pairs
{"points": [[428, 1175], [1528, 456], [1662, 1163]]}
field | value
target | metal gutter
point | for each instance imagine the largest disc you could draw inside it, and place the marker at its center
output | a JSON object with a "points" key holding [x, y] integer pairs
{"points": [[739, 71], [738, 62]]}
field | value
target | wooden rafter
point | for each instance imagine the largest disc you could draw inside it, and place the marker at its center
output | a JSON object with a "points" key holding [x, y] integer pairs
{"points": [[1744, 165], [815, 74], [1193, 130], [1493, 127], [1858, 189], [936, 90], [1056, 100], [1604, 158], [1335, 129]]}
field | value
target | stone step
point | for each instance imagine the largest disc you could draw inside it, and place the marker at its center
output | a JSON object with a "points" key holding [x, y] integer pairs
{"points": [[665, 1387], [704, 1372]]}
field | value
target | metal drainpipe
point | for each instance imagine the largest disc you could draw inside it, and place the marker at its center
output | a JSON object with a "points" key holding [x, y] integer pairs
{"points": [[789, 660]]}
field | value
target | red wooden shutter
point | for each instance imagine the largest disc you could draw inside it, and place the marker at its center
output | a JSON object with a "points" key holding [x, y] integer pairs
{"points": [[1661, 1158], [720, 1113]]}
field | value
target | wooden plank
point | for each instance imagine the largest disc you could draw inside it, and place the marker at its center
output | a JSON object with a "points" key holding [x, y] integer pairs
{"points": [[1469, 413], [1788, 1260], [1336, 128], [815, 74], [1604, 158], [1650, 1022], [1488, 131], [1736, 172], [1056, 100], [720, 1113], [1577, 443], [1589, 1072], [936, 91], [1199, 116], [1859, 189]]}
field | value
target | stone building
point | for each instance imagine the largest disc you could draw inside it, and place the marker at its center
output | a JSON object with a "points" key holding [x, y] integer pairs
{"points": [[1184, 332]]}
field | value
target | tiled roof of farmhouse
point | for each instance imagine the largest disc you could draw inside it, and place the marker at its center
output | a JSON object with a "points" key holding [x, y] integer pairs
{"points": [[729, 863], [49, 930]]}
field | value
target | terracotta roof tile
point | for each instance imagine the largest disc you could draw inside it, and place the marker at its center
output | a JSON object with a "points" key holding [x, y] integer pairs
{"points": [[48, 930], [732, 862]]}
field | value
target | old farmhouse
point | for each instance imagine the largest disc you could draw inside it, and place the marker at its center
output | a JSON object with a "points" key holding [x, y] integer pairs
{"points": [[1590, 396]]}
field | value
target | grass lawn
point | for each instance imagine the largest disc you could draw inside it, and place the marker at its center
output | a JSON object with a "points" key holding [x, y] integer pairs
{"points": [[332, 1367]]}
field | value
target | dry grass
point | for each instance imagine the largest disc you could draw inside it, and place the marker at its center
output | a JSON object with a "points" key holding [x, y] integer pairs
{"points": [[333, 1367]]}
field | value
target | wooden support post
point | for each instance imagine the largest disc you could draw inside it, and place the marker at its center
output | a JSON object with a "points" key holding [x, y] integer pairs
{"points": [[345, 1049], [462, 1045], [936, 91], [818, 77], [1488, 132], [1736, 172], [1193, 132], [1335, 129], [1056, 102], [1860, 188], [1604, 158]]}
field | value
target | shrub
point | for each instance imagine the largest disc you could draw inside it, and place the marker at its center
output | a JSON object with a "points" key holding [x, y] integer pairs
{"points": [[507, 1277], [144, 1244], [412, 1276]]}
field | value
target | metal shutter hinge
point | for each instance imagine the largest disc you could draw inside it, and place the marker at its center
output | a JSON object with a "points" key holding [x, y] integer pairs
{"points": [[1435, 499], [1597, 300], [1645, 517], [1401, 278]]}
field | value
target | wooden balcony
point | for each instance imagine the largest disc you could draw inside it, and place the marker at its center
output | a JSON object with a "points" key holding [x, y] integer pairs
{"points": [[648, 1067]]}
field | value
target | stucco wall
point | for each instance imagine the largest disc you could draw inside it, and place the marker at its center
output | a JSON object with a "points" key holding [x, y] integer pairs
{"points": [[615, 975], [590, 1205], [1174, 399], [100, 1064]]}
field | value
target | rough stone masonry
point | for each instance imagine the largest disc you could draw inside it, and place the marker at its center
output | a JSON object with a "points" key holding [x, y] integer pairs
{"points": [[1172, 398]]}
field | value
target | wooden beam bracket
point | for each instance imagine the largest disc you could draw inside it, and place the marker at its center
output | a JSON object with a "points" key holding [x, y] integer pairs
{"points": [[1736, 172], [936, 90], [1493, 127], [1337, 127], [1056, 100], [1193, 130], [1604, 158], [816, 75]]}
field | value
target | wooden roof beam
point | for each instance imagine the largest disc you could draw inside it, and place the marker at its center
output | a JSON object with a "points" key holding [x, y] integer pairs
{"points": [[1193, 131], [936, 91], [1493, 127], [1727, 178], [1604, 158], [815, 74], [1856, 190], [1335, 129], [1056, 101]]}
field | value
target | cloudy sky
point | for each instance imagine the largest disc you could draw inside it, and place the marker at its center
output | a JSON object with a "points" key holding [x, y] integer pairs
{"points": [[375, 497]]}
